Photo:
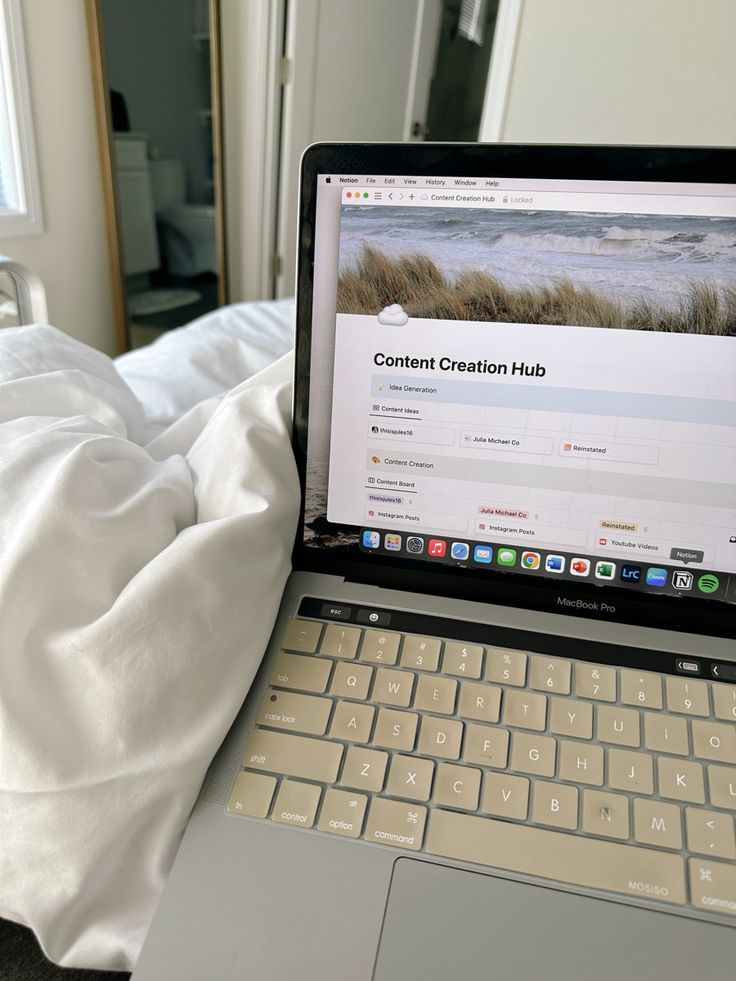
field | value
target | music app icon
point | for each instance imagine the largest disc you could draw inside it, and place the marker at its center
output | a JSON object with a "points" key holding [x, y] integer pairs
{"points": [[437, 548]]}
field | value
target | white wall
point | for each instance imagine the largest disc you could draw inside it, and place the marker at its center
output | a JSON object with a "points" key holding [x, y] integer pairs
{"points": [[71, 255], [623, 71]]}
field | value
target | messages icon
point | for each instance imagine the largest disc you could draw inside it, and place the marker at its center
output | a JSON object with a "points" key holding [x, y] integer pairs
{"points": [[506, 556]]}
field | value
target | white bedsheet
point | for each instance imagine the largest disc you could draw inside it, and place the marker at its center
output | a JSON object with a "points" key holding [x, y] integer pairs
{"points": [[138, 588]]}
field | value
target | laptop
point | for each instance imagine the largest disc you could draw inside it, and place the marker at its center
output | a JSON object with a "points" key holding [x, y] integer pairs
{"points": [[494, 732]]}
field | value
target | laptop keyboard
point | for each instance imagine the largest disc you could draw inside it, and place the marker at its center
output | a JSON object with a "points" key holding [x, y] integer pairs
{"points": [[595, 776]]}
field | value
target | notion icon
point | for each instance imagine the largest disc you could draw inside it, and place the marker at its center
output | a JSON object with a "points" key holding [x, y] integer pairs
{"points": [[531, 560], [392, 543], [437, 548], [580, 567], [371, 539], [554, 563], [415, 545], [483, 554], [682, 580], [460, 551]]}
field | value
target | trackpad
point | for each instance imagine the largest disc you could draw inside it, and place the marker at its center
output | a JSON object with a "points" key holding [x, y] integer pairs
{"points": [[446, 923]]}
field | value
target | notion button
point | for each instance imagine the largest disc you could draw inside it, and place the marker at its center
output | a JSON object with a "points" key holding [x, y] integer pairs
{"points": [[376, 618], [687, 555], [335, 612]]}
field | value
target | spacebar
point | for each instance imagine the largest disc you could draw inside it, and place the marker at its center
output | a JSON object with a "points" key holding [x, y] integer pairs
{"points": [[566, 858]]}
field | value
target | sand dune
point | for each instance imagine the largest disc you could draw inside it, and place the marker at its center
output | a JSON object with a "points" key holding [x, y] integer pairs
{"points": [[415, 281]]}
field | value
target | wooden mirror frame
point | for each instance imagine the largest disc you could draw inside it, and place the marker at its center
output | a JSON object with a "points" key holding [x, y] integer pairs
{"points": [[109, 185]]}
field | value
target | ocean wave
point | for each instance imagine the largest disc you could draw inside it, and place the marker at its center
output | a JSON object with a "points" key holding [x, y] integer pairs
{"points": [[650, 242]]}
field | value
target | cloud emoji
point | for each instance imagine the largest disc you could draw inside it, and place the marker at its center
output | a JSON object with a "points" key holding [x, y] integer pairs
{"points": [[393, 316]]}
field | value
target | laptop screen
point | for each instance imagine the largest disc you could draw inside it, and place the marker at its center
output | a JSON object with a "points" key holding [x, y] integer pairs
{"points": [[526, 378]]}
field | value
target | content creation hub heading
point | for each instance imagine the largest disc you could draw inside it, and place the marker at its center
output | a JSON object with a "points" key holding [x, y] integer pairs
{"points": [[445, 363]]}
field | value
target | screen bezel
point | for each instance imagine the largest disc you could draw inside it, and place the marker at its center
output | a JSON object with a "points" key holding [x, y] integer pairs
{"points": [[663, 164]]}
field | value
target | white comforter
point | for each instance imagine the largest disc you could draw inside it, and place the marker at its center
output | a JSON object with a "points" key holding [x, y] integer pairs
{"points": [[139, 581]]}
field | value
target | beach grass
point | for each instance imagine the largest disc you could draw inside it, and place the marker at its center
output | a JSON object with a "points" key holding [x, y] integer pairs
{"points": [[416, 282]]}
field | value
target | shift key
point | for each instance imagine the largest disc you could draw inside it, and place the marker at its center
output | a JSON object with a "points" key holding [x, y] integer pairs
{"points": [[295, 756]]}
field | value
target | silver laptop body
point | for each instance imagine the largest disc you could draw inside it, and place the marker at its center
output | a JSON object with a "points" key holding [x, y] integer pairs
{"points": [[494, 732]]}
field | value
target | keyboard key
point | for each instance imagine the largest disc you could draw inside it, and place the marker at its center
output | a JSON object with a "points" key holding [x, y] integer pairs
{"points": [[352, 722], [463, 660], [396, 730], [710, 833], [294, 756], [379, 647], [506, 666], [440, 737], [296, 803], [641, 688], [505, 796], [435, 694], [351, 680], [630, 771], [570, 717], [364, 769], [525, 710], [302, 635], [342, 813], [557, 855], [486, 745], [457, 786], [420, 653], [596, 681], [252, 794], [393, 687], [713, 886], [481, 702], [687, 696], [665, 734], [605, 814], [724, 702], [657, 823], [581, 763], [550, 674], [392, 823], [618, 725], [555, 804], [295, 713], [533, 754], [297, 671], [681, 780], [410, 776], [714, 741], [722, 785], [340, 641]]}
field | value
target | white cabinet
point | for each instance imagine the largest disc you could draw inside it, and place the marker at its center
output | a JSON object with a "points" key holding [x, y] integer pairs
{"points": [[137, 215]]}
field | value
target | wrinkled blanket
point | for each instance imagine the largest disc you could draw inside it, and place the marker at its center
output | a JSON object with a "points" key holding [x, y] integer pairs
{"points": [[139, 582]]}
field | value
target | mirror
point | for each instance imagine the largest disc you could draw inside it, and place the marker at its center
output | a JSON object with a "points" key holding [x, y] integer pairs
{"points": [[157, 67]]}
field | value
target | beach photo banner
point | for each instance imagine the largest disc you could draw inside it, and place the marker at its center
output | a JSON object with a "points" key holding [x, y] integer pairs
{"points": [[623, 271]]}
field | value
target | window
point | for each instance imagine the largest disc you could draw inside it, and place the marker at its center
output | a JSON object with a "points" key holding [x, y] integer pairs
{"points": [[20, 199]]}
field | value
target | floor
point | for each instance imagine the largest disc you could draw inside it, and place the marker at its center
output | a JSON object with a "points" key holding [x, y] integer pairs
{"points": [[147, 329], [21, 959]]}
